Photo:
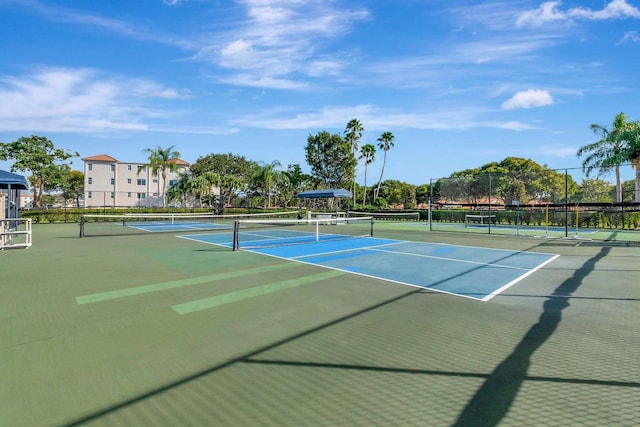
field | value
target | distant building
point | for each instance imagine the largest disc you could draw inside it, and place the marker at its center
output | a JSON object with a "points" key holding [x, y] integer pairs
{"points": [[110, 182]]}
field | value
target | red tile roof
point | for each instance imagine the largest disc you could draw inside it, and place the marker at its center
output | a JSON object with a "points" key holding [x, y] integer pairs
{"points": [[107, 158], [100, 158]]}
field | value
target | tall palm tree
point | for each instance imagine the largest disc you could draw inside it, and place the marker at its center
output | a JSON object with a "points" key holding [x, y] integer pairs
{"points": [[632, 152], [368, 154], [162, 161], [385, 143], [353, 134], [607, 152]]}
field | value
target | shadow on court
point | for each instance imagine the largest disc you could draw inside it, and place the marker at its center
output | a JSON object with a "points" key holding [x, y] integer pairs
{"points": [[247, 358], [494, 398]]}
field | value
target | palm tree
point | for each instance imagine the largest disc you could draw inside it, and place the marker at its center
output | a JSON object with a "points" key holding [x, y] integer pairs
{"points": [[608, 151], [228, 184], [352, 134], [631, 135], [264, 178], [161, 160], [368, 153], [179, 190], [202, 186], [385, 143]]}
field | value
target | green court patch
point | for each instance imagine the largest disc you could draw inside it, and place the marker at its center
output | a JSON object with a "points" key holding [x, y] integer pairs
{"points": [[146, 289], [203, 304]]}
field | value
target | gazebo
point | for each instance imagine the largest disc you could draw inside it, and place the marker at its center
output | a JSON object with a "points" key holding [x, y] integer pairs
{"points": [[10, 186], [332, 193]]}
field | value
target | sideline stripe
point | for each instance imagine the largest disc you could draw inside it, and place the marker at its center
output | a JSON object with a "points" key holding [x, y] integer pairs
{"points": [[203, 304], [140, 290]]}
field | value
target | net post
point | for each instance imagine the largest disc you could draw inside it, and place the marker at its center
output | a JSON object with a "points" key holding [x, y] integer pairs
{"points": [[82, 221], [371, 227], [236, 232]]}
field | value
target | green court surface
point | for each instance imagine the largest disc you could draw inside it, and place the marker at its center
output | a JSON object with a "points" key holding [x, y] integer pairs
{"points": [[133, 330]]}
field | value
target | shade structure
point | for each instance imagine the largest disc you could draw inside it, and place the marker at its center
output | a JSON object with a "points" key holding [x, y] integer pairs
{"points": [[11, 184], [337, 193], [13, 181]]}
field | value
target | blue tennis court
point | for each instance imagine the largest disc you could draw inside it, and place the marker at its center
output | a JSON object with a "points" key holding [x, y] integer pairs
{"points": [[167, 226], [472, 272]]}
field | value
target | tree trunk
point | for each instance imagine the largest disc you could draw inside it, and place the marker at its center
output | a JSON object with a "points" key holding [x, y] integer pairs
{"points": [[618, 186]]}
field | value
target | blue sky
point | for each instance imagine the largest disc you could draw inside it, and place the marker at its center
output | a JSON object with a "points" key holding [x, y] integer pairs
{"points": [[458, 83]]}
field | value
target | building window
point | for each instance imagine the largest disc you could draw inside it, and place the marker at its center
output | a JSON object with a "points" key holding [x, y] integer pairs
{"points": [[129, 194], [142, 169], [172, 182], [142, 195], [89, 195], [90, 180], [113, 181], [113, 168], [113, 194], [128, 167], [155, 180], [128, 180], [142, 182], [90, 166]]}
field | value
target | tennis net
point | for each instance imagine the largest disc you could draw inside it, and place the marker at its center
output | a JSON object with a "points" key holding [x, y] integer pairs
{"points": [[262, 233], [146, 223], [384, 216]]}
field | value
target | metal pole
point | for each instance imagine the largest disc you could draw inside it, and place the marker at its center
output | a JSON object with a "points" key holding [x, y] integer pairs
{"points": [[489, 203], [566, 203], [430, 203]]}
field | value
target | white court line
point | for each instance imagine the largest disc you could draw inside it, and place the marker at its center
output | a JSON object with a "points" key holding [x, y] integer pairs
{"points": [[455, 259], [376, 248], [517, 279]]}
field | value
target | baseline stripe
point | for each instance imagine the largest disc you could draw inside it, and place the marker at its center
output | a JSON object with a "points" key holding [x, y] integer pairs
{"points": [[203, 304]]}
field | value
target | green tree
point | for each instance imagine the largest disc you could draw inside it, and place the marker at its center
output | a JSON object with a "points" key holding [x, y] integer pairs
{"points": [[73, 186], [628, 190], [229, 184], [264, 178], [631, 136], [368, 154], [161, 161], [180, 190], [296, 182], [38, 156], [385, 143], [331, 160], [608, 152], [594, 190], [223, 165], [201, 187], [422, 194], [353, 134]]}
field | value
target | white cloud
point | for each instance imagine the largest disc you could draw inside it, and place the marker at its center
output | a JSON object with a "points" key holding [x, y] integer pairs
{"points": [[630, 36], [546, 12], [279, 41], [78, 100], [515, 126], [614, 10], [528, 99], [550, 12], [376, 119]]}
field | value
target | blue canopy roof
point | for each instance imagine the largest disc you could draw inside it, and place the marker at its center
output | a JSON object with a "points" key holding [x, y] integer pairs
{"points": [[15, 181], [325, 194]]}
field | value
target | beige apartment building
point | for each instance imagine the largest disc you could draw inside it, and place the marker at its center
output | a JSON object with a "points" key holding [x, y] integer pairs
{"points": [[112, 183]]}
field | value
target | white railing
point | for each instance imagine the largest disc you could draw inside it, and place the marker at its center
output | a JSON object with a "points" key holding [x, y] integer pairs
{"points": [[15, 233]]}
